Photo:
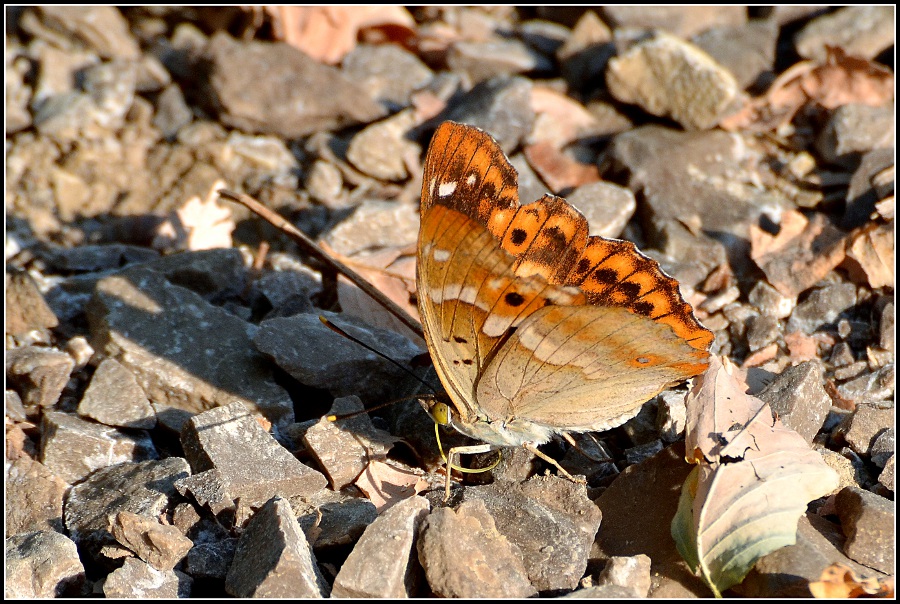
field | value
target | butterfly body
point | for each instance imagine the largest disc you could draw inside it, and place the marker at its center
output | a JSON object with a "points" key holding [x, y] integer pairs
{"points": [[536, 328]]}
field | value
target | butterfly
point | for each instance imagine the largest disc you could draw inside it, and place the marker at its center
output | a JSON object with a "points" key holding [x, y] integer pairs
{"points": [[536, 328]]}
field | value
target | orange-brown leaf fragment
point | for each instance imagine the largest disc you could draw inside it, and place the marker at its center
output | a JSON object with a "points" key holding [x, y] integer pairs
{"points": [[838, 581]]}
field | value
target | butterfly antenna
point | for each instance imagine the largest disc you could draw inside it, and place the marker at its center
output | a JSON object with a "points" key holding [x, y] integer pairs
{"points": [[334, 417], [341, 332]]}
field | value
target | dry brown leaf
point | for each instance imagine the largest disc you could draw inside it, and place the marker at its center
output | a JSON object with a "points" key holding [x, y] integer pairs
{"points": [[763, 355], [801, 346], [841, 80], [328, 33], [390, 270], [197, 225], [754, 480], [557, 169], [387, 483], [800, 254], [559, 119], [839, 581], [872, 251]]}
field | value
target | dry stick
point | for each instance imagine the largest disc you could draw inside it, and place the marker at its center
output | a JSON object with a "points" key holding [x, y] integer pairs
{"points": [[311, 248]]}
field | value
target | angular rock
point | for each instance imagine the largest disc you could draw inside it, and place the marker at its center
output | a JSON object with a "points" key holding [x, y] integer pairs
{"points": [[344, 447], [137, 579], [373, 225], [799, 398], [862, 428], [747, 51], [608, 207], [855, 129], [822, 306], [144, 488], [383, 149], [39, 374], [632, 572], [72, 447], [252, 464], [500, 106], [465, 556], [669, 77], [684, 21], [161, 546], [114, 398], [34, 497], [332, 520], [42, 564], [172, 112], [26, 309], [383, 562], [482, 61], [762, 330], [210, 273], [883, 447], [551, 522], [860, 30], [862, 193], [770, 301], [316, 356], [184, 352], [888, 475], [387, 72], [273, 558], [868, 523], [310, 96], [211, 560], [101, 29]]}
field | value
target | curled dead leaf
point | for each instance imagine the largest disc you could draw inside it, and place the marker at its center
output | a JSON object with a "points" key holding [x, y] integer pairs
{"points": [[839, 581]]}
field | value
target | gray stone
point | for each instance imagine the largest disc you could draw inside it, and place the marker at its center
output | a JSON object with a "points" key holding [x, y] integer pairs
{"points": [[883, 447], [668, 77], [383, 149], [862, 194], [888, 475], [211, 560], [94, 258], [144, 488], [289, 291], [861, 429], [318, 357], [388, 72], [310, 96], [42, 564], [551, 522], [601, 592], [851, 472], [483, 60], [34, 497], [210, 273], [373, 225], [209, 489], [877, 386], [851, 370], [608, 207], [644, 451], [868, 523], [821, 307], [886, 327], [493, 566], [102, 29], [172, 112], [632, 572], [798, 397], [162, 546], [137, 579], [38, 374], [332, 520], [273, 558], [544, 36], [343, 448], [770, 301], [26, 309], [584, 55], [531, 187], [859, 30], [684, 21], [500, 106], [762, 330], [114, 398], [325, 184], [184, 352], [853, 130], [671, 416], [747, 50], [72, 447], [383, 563], [252, 464]]}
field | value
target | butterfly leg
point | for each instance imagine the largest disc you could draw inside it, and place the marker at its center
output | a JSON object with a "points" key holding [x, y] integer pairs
{"points": [[548, 459], [468, 450]]}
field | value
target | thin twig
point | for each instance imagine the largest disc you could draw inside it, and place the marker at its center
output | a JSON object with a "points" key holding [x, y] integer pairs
{"points": [[310, 247]]}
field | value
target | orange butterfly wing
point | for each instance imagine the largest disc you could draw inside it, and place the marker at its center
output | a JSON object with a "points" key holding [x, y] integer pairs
{"points": [[534, 326]]}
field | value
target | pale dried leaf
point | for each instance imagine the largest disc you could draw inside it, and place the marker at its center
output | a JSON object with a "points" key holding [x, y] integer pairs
{"points": [[801, 346], [800, 255], [872, 248], [328, 33], [754, 481], [197, 225], [387, 483], [839, 581], [560, 171], [559, 119]]}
